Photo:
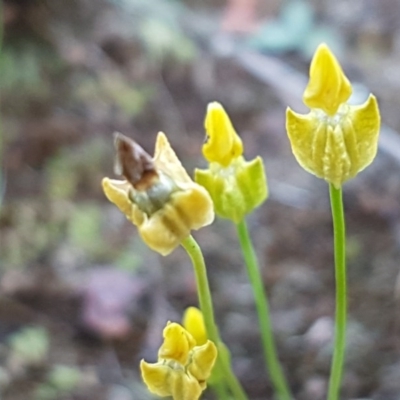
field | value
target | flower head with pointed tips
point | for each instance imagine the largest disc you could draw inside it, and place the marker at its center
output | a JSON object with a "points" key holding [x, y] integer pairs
{"points": [[157, 194], [236, 187], [335, 141], [183, 367]]}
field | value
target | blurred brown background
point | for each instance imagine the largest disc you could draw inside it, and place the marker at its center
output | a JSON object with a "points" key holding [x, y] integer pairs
{"points": [[82, 299]]}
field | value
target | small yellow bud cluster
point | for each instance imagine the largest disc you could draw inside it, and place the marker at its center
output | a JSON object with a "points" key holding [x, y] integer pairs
{"points": [[183, 366]]}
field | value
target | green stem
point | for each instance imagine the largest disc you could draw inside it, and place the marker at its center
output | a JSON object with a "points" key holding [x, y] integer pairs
{"points": [[220, 390], [341, 301], [275, 370], [206, 306]]}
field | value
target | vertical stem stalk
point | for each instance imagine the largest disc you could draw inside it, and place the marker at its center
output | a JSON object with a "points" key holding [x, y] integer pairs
{"points": [[274, 367], [206, 306], [339, 231]]}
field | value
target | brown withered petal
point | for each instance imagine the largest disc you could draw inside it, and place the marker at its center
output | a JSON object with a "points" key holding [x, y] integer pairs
{"points": [[133, 163]]}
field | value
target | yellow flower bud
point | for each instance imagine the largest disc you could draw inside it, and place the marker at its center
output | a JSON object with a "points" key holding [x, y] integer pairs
{"points": [[158, 196], [157, 378], [236, 187], [222, 142], [185, 386], [182, 368], [203, 359], [177, 343], [164, 380], [328, 86], [335, 141], [193, 322]]}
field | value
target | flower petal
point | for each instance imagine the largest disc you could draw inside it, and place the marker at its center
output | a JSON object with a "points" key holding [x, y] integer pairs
{"points": [[328, 86], [166, 161], [177, 343], [117, 192], [222, 144], [186, 210], [193, 322], [156, 377], [203, 361], [185, 386], [318, 147], [362, 133]]}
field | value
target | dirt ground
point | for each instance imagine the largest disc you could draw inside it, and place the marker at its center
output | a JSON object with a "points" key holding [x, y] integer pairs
{"points": [[82, 299]]}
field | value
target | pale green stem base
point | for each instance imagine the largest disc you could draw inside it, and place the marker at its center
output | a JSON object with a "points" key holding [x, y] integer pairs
{"points": [[341, 296], [206, 306], [274, 367]]}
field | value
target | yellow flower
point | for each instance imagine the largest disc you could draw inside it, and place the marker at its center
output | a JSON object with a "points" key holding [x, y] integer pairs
{"points": [[328, 86], [222, 143], [183, 368], [193, 322], [335, 141], [157, 194], [235, 186], [177, 344]]}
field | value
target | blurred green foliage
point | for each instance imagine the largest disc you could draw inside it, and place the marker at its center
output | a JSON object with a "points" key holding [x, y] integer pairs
{"points": [[60, 381], [295, 29], [30, 345], [84, 228], [158, 25], [26, 71], [30, 234], [76, 169], [114, 90], [163, 41], [67, 216], [14, 77], [133, 254]]}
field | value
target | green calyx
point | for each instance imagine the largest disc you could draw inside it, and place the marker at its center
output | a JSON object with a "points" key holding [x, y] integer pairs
{"points": [[155, 197], [236, 190]]}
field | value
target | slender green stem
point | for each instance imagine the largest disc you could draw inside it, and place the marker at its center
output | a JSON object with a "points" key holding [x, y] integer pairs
{"points": [[220, 390], [275, 370], [206, 306], [341, 289]]}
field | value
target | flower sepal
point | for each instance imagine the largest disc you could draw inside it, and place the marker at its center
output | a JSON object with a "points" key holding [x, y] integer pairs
{"points": [[335, 148], [164, 380], [203, 359], [236, 190], [217, 374], [193, 322]]}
